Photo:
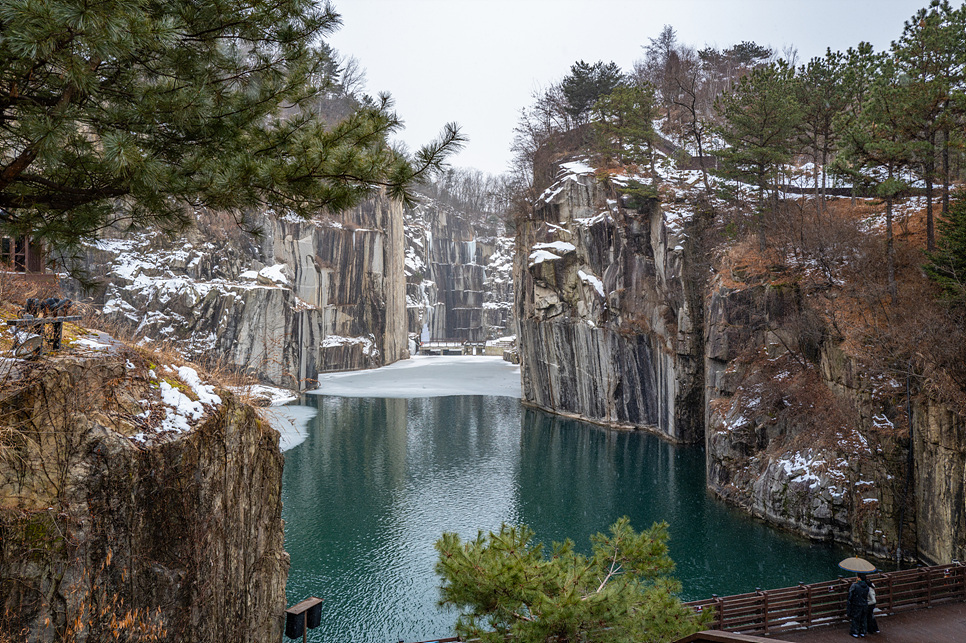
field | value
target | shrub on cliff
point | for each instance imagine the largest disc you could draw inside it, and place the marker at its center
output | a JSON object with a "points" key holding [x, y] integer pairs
{"points": [[506, 589]]}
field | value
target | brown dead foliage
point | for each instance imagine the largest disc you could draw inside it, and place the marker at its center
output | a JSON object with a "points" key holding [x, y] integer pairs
{"points": [[838, 260], [789, 395]]}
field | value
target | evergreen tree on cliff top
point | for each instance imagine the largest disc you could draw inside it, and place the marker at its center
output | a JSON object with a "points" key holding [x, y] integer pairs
{"points": [[507, 590], [136, 111], [623, 128], [586, 84], [760, 120]]}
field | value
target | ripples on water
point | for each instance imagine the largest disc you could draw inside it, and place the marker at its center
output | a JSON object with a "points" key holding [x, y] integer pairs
{"points": [[378, 480]]}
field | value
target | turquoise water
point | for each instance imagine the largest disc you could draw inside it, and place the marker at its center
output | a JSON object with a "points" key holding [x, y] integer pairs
{"points": [[378, 480]]}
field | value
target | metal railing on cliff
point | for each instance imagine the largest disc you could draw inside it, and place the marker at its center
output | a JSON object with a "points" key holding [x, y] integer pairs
{"points": [[791, 608]]}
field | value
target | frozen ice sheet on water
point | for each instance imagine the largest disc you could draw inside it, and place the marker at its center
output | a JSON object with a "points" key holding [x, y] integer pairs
{"points": [[427, 376], [292, 423]]}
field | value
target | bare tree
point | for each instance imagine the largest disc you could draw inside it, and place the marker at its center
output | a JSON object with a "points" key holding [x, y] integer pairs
{"points": [[692, 97], [660, 65]]}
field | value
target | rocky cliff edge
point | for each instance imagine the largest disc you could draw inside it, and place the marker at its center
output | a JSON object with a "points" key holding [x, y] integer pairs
{"points": [[136, 501]]}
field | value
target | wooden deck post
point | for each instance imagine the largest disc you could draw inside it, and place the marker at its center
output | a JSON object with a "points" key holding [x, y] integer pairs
{"points": [[808, 605], [764, 609], [891, 596]]}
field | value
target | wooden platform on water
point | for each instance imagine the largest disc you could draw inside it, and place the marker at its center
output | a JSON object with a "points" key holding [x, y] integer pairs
{"points": [[462, 347]]}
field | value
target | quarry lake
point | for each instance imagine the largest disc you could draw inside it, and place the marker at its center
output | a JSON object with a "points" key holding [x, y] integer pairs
{"points": [[376, 481]]}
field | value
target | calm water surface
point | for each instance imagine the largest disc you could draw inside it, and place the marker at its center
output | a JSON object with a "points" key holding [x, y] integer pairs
{"points": [[378, 480]]}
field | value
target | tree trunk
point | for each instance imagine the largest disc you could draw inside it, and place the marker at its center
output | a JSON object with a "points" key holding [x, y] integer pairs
{"points": [[818, 191], [929, 167], [945, 171], [890, 246], [824, 175], [704, 170], [761, 215]]}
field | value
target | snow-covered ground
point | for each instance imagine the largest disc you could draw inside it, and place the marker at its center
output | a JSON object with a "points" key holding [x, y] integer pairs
{"points": [[427, 376]]}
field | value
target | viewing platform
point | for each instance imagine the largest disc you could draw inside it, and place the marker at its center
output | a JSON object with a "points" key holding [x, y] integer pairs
{"points": [[921, 605], [914, 605]]}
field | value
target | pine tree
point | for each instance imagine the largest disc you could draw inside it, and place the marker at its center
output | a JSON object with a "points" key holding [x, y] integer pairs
{"points": [[760, 120], [877, 144], [137, 112], [947, 264], [822, 95], [748, 52], [930, 56], [585, 84], [623, 126], [507, 590]]}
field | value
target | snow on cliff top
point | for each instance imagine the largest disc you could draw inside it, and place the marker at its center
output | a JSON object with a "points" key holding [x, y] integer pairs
{"points": [[569, 171], [160, 274], [182, 400]]}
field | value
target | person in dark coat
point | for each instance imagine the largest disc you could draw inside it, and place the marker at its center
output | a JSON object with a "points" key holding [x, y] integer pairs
{"points": [[856, 608]]}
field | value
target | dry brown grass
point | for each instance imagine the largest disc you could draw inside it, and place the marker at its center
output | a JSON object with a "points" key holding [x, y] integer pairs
{"points": [[15, 289]]}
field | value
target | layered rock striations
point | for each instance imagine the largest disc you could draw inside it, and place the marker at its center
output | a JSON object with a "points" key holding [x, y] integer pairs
{"points": [[780, 443], [624, 320], [136, 502], [605, 312], [807, 436], [459, 275], [305, 298], [939, 465]]}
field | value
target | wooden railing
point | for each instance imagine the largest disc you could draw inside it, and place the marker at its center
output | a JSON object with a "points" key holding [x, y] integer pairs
{"points": [[790, 608]]}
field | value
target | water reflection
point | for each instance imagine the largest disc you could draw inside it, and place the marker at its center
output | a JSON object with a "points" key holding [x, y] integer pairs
{"points": [[577, 479], [378, 480]]}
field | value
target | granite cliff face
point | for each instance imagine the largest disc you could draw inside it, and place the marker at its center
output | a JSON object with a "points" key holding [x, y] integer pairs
{"points": [[459, 283], [124, 510], [306, 298], [939, 449], [606, 320], [780, 442], [623, 321], [806, 436]]}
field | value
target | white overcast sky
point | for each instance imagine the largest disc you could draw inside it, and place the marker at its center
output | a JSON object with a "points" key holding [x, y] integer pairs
{"points": [[477, 62]]}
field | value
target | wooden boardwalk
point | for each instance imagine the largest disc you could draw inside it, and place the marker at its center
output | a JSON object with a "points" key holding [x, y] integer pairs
{"points": [[775, 612], [940, 624]]}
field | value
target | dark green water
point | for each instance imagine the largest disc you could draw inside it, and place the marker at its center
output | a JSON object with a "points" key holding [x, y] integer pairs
{"points": [[378, 480]]}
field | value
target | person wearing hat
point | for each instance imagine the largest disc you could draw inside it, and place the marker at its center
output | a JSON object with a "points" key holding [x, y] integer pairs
{"points": [[857, 607]]}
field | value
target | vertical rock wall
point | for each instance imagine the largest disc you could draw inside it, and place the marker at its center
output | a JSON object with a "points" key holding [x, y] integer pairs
{"points": [[306, 298], [350, 273], [805, 436], [620, 324], [939, 449], [764, 451], [101, 533], [606, 330], [459, 276]]}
